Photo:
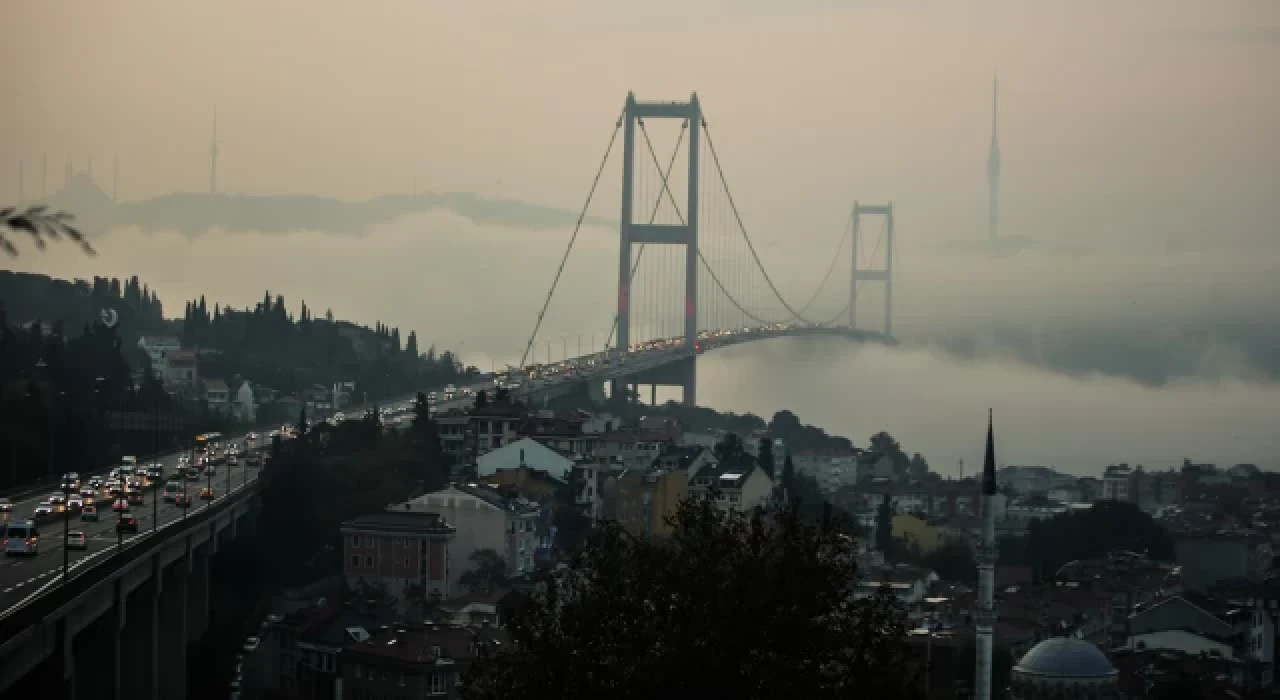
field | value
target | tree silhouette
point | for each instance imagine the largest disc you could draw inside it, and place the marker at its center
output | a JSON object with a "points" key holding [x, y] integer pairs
{"points": [[884, 525], [488, 571], [730, 605], [482, 399], [41, 226], [766, 455]]}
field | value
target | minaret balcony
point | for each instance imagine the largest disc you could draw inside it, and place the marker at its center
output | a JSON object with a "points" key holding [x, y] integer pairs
{"points": [[984, 618], [985, 554]]}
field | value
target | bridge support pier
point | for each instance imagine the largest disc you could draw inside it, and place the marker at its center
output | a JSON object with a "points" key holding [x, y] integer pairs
{"points": [[197, 596], [172, 670], [690, 383], [141, 642], [96, 651]]}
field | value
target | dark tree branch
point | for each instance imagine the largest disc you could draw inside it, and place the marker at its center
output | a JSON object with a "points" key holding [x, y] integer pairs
{"points": [[40, 224]]}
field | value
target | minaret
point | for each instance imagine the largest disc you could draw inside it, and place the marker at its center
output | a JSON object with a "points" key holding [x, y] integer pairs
{"points": [[985, 615], [993, 167], [213, 156]]}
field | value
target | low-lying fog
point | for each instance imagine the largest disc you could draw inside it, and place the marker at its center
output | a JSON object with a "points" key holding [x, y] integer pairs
{"points": [[1089, 356]]}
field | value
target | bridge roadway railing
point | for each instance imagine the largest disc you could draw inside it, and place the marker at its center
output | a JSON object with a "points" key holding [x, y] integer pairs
{"points": [[56, 594], [653, 359]]}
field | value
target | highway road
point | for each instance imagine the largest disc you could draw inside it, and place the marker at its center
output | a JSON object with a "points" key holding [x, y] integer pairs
{"points": [[21, 577]]}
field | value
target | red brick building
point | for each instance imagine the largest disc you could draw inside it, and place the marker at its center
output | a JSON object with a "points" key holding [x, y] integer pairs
{"points": [[406, 553]]}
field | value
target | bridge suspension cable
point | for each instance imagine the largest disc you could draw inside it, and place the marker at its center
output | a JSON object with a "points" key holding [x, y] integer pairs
{"points": [[733, 208], [573, 238], [798, 315], [666, 192]]}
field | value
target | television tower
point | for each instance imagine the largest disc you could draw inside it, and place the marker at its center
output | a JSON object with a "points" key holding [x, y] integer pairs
{"points": [[985, 616], [213, 156], [993, 167]]}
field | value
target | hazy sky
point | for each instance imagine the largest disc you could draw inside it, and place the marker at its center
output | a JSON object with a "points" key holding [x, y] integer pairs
{"points": [[1128, 125], [1117, 119]]}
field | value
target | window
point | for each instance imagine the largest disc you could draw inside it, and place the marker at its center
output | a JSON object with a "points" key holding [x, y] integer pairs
{"points": [[405, 562], [355, 561], [439, 684], [355, 540], [368, 561]]}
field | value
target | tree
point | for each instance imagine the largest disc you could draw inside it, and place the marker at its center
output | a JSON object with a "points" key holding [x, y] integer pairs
{"points": [[731, 605], [766, 455], [919, 467], [41, 226], [884, 525], [488, 571], [788, 473], [482, 399]]}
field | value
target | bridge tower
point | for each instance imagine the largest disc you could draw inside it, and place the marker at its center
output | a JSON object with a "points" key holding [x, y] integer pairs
{"points": [[869, 275], [632, 232]]}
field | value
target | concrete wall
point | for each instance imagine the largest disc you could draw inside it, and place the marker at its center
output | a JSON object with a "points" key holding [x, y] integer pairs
{"points": [[126, 637]]}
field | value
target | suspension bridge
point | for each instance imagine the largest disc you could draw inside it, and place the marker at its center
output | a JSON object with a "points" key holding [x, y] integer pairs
{"points": [[690, 276]]}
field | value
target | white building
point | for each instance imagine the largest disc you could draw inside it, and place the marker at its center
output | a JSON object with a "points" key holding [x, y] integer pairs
{"points": [[740, 488], [525, 452], [484, 520], [157, 347], [245, 406]]}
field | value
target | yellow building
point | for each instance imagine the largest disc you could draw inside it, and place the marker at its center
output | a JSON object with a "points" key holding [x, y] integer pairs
{"points": [[914, 532], [642, 500]]}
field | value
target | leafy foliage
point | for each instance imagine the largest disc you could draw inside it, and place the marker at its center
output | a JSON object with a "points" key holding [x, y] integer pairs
{"points": [[488, 570], [40, 225], [731, 605], [58, 396], [269, 345], [1105, 527]]}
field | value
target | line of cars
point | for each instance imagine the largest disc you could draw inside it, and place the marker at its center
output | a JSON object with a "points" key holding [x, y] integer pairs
{"points": [[124, 486]]}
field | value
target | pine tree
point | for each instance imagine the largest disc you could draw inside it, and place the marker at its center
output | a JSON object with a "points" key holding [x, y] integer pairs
{"points": [[411, 346], [884, 525], [766, 455]]}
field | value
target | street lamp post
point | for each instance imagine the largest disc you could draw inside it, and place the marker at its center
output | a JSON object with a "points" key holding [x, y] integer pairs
{"points": [[191, 463], [155, 488], [66, 527]]}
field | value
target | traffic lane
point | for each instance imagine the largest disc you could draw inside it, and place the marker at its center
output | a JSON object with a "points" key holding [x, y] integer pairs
{"points": [[24, 508], [21, 576]]}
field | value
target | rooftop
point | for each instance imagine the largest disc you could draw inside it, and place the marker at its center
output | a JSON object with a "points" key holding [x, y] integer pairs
{"points": [[415, 523]]}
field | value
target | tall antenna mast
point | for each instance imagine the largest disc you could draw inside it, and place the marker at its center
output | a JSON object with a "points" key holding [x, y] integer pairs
{"points": [[213, 156], [993, 167]]}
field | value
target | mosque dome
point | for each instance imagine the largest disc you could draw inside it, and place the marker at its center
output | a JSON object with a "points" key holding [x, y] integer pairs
{"points": [[1066, 666], [1065, 657]]}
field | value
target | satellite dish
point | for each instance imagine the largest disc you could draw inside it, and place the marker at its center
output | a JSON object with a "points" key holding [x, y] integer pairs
{"points": [[109, 317]]}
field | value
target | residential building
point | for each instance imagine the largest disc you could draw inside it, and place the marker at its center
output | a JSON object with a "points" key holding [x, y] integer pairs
{"points": [[633, 449], [916, 533], [406, 552], [641, 500], [181, 371], [1116, 482], [467, 435], [564, 434], [413, 661], [157, 347], [217, 395], [740, 486], [483, 519]]}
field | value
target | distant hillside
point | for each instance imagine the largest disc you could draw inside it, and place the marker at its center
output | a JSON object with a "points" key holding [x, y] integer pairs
{"points": [[194, 213]]}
